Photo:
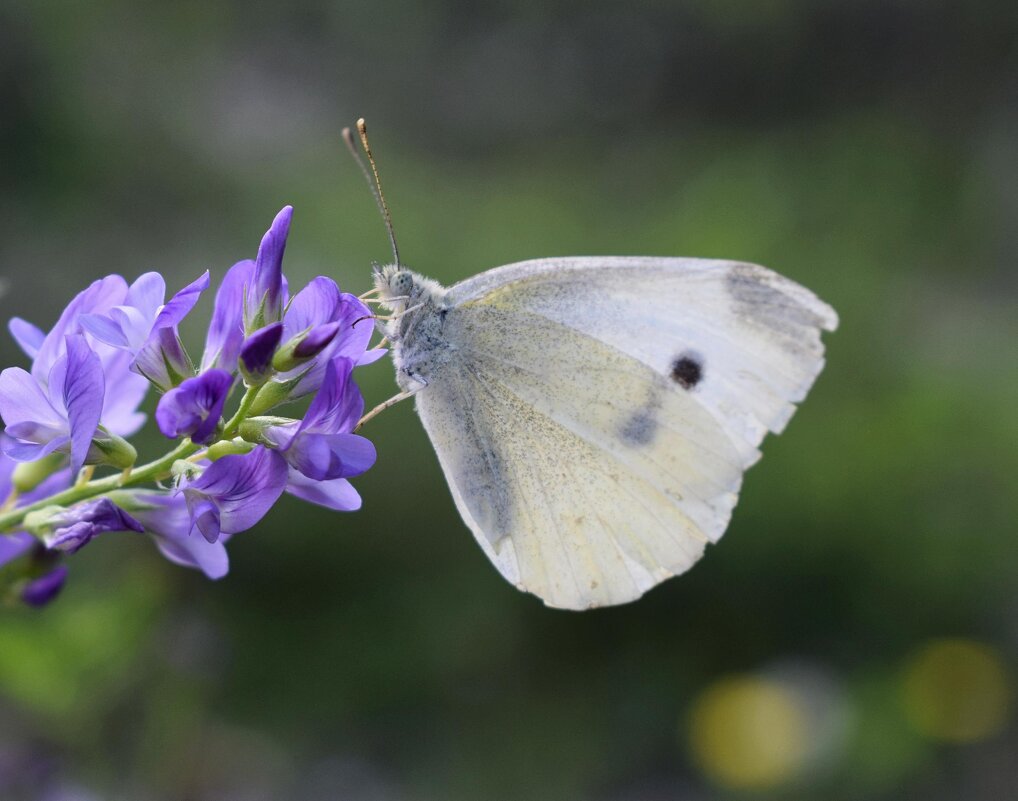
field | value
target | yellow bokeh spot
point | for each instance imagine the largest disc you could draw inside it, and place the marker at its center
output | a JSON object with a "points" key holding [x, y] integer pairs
{"points": [[957, 690], [748, 732]]}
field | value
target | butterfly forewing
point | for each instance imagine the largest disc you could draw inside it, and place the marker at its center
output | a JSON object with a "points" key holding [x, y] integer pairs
{"points": [[597, 415]]}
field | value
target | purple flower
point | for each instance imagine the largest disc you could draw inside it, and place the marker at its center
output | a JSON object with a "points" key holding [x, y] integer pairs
{"points": [[226, 332], [128, 324], [46, 349], [264, 303], [42, 590], [312, 314], [124, 389], [61, 414], [195, 408], [235, 492], [147, 328], [167, 518], [257, 351], [320, 450], [321, 446], [71, 529]]}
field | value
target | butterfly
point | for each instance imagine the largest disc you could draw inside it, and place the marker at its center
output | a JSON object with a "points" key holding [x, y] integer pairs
{"points": [[594, 416]]}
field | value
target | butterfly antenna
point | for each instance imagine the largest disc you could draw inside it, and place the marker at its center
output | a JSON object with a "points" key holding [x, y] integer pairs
{"points": [[371, 176]]}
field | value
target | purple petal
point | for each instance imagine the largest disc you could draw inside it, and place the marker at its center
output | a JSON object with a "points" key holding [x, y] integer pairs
{"points": [[146, 294], [105, 329], [258, 349], [267, 287], [195, 408], [338, 494], [163, 360], [280, 437], [75, 527], [371, 356], [353, 340], [316, 340], [244, 487], [125, 391], [44, 589], [196, 552], [349, 343], [98, 298], [317, 303], [71, 538], [327, 456], [167, 519], [338, 406], [38, 433], [14, 545], [226, 332], [177, 308], [84, 387], [7, 468], [23, 400], [28, 336], [27, 451], [205, 514]]}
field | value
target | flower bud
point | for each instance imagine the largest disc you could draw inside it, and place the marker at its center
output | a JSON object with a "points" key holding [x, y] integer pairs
{"points": [[305, 346], [70, 529], [195, 408], [264, 303], [109, 449], [257, 352], [40, 591]]}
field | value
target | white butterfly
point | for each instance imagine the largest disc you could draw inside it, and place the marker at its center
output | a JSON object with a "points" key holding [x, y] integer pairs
{"points": [[594, 416]]}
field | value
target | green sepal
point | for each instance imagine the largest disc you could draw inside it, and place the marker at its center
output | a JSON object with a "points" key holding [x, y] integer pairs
{"points": [[109, 449], [273, 394], [253, 429], [40, 522], [285, 360], [229, 448]]}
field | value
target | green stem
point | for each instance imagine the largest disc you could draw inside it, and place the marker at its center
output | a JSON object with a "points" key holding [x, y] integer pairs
{"points": [[153, 471], [230, 431]]}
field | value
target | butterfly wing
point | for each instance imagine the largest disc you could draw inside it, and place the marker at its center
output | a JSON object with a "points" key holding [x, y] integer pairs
{"points": [[599, 413]]}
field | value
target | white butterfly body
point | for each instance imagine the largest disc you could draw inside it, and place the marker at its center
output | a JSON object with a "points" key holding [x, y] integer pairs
{"points": [[594, 416]]}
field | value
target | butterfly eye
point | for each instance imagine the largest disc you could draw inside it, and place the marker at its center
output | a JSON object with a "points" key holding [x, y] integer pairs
{"points": [[401, 283]]}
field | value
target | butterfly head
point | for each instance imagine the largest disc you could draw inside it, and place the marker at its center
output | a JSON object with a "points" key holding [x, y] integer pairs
{"points": [[395, 284]]}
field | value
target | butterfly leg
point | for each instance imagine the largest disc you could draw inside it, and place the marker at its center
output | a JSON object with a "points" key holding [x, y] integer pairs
{"points": [[385, 318], [409, 393]]}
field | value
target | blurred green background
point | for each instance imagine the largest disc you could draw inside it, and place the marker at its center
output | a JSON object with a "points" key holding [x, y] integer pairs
{"points": [[854, 636]]}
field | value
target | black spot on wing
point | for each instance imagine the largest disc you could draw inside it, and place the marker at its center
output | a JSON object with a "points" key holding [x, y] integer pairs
{"points": [[687, 370]]}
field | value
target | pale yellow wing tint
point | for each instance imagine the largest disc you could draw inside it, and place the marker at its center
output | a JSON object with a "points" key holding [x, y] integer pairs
{"points": [[587, 473]]}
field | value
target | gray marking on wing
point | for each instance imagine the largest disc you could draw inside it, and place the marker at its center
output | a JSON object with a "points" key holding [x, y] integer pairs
{"points": [[758, 299], [641, 428], [485, 474]]}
